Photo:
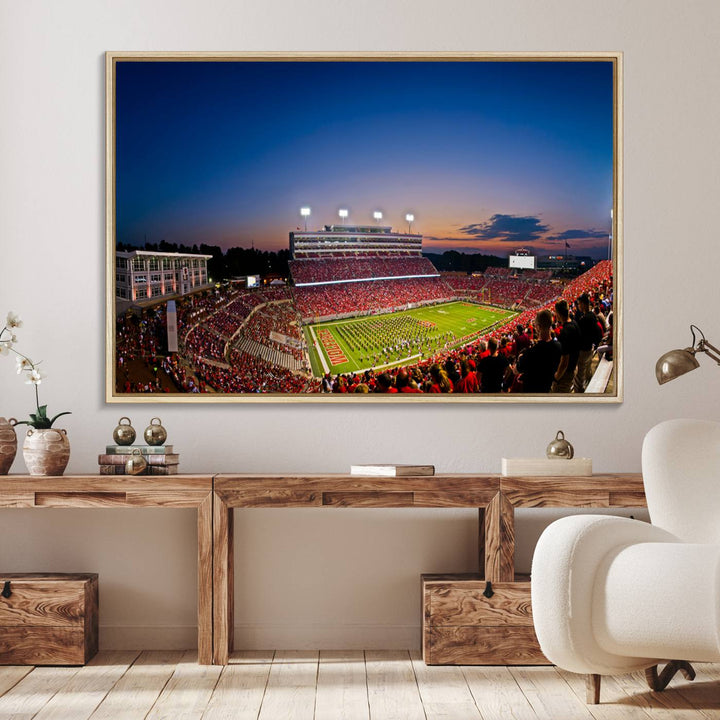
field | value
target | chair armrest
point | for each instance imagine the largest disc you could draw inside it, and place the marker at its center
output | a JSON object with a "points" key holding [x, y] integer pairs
{"points": [[565, 563], [659, 599]]}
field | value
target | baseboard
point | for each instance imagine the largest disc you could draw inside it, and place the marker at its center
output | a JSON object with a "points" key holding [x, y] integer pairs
{"points": [[148, 637], [265, 636], [327, 637]]}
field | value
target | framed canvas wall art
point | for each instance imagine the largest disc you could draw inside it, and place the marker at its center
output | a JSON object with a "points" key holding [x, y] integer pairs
{"points": [[364, 227]]}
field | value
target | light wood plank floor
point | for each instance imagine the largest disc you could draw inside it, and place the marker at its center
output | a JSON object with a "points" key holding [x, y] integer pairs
{"points": [[350, 685]]}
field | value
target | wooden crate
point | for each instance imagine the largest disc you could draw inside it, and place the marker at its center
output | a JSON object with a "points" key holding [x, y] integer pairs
{"points": [[461, 626], [48, 618]]}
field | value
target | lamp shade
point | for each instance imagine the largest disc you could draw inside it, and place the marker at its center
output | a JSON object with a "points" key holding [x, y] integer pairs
{"points": [[675, 363]]}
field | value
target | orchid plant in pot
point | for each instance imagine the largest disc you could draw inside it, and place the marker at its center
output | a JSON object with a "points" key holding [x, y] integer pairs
{"points": [[46, 449]]}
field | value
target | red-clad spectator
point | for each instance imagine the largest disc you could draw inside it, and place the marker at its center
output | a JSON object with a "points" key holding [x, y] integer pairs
{"points": [[491, 369], [469, 382], [405, 384], [385, 384], [440, 382]]}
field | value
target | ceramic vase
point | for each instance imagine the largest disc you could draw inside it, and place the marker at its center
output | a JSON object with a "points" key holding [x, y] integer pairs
{"points": [[47, 451], [8, 445]]}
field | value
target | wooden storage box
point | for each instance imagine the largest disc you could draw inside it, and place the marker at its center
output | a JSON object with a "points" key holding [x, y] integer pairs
{"points": [[461, 626], [48, 618]]}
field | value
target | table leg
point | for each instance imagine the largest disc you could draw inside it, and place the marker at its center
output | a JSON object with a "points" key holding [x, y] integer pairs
{"points": [[223, 581], [481, 541], [205, 579], [500, 540]]}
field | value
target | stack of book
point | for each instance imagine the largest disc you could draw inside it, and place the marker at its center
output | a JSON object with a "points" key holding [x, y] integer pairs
{"points": [[160, 459], [392, 470]]}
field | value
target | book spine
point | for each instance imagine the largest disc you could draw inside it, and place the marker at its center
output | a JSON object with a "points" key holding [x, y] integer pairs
{"points": [[372, 471], [112, 469], [419, 471], [149, 470], [144, 449], [162, 470], [173, 459]]}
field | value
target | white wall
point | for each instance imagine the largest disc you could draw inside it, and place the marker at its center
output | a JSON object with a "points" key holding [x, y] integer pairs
{"points": [[330, 578]]}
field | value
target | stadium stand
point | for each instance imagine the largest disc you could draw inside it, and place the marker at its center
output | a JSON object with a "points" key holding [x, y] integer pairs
{"points": [[332, 269], [326, 301]]}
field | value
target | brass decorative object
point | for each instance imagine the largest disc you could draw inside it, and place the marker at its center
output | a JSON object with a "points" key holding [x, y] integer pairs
{"points": [[155, 433], [136, 463], [8, 444], [124, 433], [560, 448]]}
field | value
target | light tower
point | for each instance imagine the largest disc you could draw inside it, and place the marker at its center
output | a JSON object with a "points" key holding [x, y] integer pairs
{"points": [[305, 212], [410, 217]]}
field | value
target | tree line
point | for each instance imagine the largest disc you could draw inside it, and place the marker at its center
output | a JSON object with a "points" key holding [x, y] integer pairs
{"points": [[223, 265], [238, 261]]}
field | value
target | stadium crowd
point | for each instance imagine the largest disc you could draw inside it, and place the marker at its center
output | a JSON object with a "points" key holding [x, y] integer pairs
{"points": [[317, 301], [502, 287], [540, 351], [549, 347], [364, 267], [206, 322], [281, 318]]}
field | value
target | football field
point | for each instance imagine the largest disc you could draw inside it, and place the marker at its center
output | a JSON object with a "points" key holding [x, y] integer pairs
{"points": [[404, 337]]}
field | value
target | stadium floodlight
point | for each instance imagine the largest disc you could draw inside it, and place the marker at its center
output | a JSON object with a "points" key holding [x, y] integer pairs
{"points": [[377, 215], [343, 213], [410, 217], [305, 212], [678, 362]]}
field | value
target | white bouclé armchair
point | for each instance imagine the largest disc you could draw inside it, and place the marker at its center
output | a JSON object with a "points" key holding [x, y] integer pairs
{"points": [[613, 595]]}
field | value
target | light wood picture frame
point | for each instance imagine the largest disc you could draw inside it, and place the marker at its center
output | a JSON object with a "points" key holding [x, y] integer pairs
{"points": [[364, 227]]}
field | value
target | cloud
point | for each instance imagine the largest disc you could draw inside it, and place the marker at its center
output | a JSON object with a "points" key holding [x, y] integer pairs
{"points": [[444, 240], [516, 229], [578, 235]]}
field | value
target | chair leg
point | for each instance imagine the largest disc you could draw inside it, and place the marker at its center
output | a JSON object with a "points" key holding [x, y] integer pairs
{"points": [[660, 682], [592, 689]]}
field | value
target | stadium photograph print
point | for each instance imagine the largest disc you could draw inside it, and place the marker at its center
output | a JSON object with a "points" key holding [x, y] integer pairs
{"points": [[364, 227]]}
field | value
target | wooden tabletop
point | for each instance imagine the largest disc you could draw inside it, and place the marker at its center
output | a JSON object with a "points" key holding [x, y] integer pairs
{"points": [[460, 490], [104, 490]]}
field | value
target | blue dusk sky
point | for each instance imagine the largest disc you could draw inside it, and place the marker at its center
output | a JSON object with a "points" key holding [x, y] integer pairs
{"points": [[489, 156]]}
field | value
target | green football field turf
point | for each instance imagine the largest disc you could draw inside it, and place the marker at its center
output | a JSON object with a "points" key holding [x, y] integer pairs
{"points": [[397, 338]]}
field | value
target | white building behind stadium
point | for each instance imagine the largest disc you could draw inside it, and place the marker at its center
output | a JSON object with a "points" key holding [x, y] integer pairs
{"points": [[142, 275]]}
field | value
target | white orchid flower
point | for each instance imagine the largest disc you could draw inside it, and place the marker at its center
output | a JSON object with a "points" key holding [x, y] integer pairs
{"points": [[28, 369], [23, 364], [13, 320], [35, 377]]}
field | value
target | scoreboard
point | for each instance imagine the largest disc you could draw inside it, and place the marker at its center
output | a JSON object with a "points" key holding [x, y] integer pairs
{"points": [[523, 262]]}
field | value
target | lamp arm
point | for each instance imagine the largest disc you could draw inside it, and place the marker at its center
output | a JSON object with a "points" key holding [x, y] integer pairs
{"points": [[710, 350]]}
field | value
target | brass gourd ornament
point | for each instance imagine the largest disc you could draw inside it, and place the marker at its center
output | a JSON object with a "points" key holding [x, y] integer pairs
{"points": [[155, 433], [136, 463], [124, 433], [560, 448]]}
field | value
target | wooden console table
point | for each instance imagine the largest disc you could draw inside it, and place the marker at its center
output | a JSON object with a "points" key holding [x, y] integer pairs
{"points": [[494, 496], [92, 491], [215, 497]]}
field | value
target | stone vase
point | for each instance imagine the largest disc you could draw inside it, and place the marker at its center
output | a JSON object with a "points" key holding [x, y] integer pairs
{"points": [[8, 445], [47, 451]]}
